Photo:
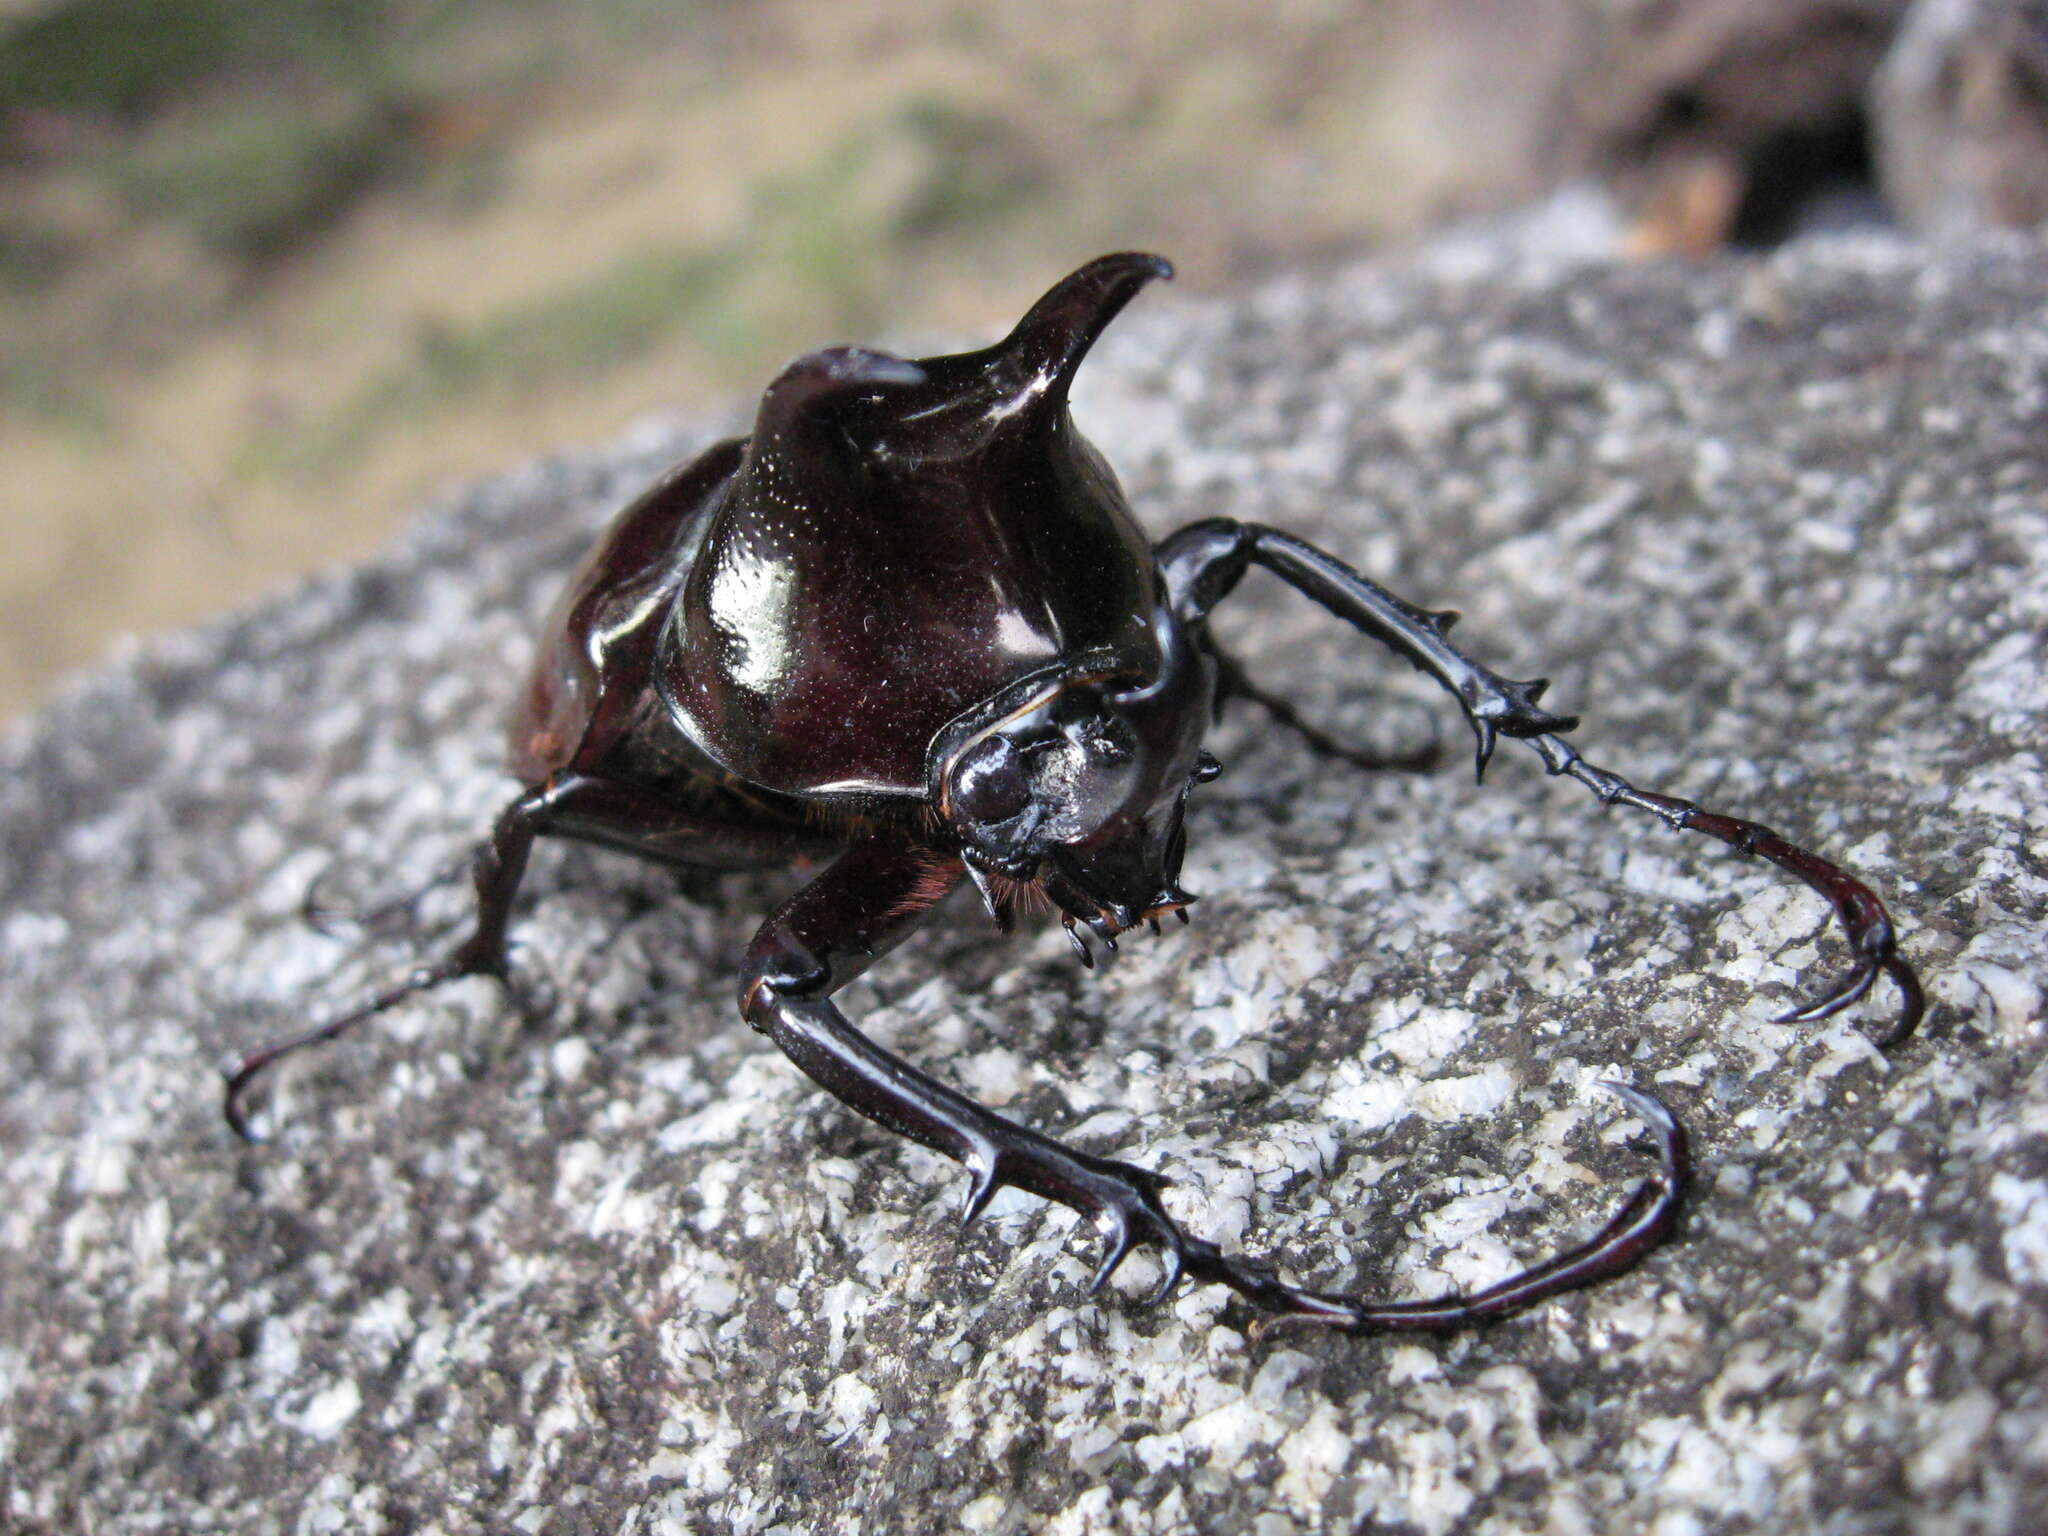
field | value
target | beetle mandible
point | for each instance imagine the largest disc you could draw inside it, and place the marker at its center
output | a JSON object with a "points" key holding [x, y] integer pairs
{"points": [[752, 667]]}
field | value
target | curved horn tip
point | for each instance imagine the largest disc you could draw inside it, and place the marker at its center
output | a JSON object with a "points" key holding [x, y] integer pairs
{"points": [[1115, 278], [1137, 263], [1057, 332]]}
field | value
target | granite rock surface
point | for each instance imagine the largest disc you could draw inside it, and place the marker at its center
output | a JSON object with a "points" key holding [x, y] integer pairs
{"points": [[598, 1259]]}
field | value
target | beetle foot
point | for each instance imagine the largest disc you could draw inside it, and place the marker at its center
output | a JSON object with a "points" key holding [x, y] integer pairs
{"points": [[1642, 1222], [1856, 984], [482, 954], [1123, 1202], [1864, 919]]}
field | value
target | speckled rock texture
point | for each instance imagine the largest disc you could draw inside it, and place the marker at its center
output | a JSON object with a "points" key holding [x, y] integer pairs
{"points": [[604, 1262]]}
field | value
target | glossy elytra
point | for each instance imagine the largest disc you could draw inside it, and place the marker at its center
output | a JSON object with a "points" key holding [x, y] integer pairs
{"points": [[909, 626]]}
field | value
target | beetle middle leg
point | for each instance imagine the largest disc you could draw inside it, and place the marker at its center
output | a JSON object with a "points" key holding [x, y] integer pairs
{"points": [[581, 806], [1204, 561], [1233, 681], [338, 922], [873, 896]]}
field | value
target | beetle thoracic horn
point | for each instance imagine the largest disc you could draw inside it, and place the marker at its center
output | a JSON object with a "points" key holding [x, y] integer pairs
{"points": [[1001, 400], [1045, 349]]}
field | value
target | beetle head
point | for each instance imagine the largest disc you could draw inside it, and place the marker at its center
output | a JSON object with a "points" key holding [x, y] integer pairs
{"points": [[1078, 784]]}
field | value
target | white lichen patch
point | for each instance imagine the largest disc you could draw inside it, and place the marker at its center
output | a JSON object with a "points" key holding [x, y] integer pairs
{"points": [[2023, 1208], [326, 1411]]}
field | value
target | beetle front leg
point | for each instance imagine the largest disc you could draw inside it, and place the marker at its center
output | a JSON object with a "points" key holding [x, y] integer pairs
{"points": [[866, 903], [1204, 561], [872, 897]]}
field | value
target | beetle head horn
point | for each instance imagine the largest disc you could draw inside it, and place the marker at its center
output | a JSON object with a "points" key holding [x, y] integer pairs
{"points": [[817, 382]]}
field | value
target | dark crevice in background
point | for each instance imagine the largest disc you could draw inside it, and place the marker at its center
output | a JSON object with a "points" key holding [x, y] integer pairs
{"points": [[1808, 177]]}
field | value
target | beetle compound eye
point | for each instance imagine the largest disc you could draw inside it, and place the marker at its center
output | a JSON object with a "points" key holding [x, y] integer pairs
{"points": [[990, 785]]}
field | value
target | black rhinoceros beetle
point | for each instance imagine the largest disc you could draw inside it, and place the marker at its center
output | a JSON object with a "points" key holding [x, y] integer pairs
{"points": [[910, 624]]}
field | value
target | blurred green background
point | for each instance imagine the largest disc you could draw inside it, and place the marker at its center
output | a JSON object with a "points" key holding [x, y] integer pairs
{"points": [[271, 274]]}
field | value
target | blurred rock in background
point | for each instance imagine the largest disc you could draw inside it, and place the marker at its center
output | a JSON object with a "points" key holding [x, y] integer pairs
{"points": [[269, 275], [1961, 113], [1733, 121]]}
